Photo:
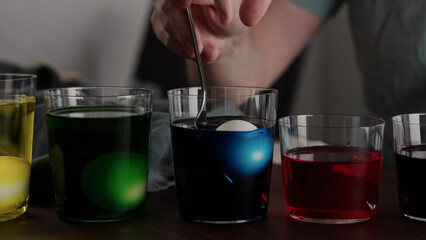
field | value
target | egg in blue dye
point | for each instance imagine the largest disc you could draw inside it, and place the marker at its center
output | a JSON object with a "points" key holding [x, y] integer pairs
{"points": [[242, 154]]}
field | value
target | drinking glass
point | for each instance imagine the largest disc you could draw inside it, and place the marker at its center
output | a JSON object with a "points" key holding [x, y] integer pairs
{"points": [[331, 167], [17, 101], [409, 134], [223, 168], [99, 148]]}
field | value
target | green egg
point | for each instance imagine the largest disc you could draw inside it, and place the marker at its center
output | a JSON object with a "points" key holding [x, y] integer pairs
{"points": [[116, 181]]}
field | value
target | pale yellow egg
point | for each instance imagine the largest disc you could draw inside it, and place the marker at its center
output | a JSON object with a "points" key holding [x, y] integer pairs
{"points": [[14, 182]]}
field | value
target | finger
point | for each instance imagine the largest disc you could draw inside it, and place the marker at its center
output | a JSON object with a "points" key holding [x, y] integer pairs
{"points": [[161, 22], [251, 11], [209, 54], [186, 3], [163, 34], [171, 43], [225, 10], [178, 21], [183, 3]]}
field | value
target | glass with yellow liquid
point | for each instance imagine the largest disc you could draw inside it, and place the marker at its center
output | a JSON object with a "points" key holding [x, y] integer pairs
{"points": [[17, 103]]}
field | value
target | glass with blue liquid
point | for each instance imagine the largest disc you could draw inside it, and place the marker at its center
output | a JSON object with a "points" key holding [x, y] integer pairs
{"points": [[223, 168]]}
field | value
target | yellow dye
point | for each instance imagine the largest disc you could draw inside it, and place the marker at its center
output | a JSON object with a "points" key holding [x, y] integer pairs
{"points": [[16, 140]]}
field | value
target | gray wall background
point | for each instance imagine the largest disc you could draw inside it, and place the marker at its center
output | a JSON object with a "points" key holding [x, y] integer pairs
{"points": [[100, 40], [330, 81]]}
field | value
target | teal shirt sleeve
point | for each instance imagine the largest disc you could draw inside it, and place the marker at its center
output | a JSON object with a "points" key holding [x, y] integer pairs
{"points": [[321, 8]]}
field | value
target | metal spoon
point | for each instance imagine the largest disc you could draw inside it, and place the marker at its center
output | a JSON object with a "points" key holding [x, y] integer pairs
{"points": [[201, 117]]}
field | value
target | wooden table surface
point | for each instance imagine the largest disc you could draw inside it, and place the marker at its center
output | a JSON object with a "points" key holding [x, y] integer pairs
{"points": [[161, 220]]}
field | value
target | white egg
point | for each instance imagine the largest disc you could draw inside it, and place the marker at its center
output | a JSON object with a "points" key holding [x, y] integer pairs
{"points": [[237, 126]]}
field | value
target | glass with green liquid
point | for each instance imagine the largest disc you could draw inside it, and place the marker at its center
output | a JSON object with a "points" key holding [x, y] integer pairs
{"points": [[99, 148], [17, 103]]}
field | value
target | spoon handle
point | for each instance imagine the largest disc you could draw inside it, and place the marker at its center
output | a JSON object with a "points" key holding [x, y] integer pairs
{"points": [[195, 43], [201, 118]]}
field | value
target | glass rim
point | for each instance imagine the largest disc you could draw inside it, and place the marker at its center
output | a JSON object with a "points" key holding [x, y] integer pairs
{"points": [[175, 92], [396, 117], [379, 121], [4, 77], [63, 91]]}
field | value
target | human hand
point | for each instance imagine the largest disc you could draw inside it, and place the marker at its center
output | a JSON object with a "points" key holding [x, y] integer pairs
{"points": [[219, 24]]}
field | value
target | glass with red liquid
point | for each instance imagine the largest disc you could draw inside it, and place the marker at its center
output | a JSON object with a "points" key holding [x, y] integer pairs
{"points": [[409, 134], [331, 167]]}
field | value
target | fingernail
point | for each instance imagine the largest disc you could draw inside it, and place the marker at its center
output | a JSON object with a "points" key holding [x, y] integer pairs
{"points": [[206, 54]]}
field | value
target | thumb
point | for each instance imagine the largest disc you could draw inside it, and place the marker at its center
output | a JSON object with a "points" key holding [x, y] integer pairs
{"points": [[252, 11], [225, 10]]}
